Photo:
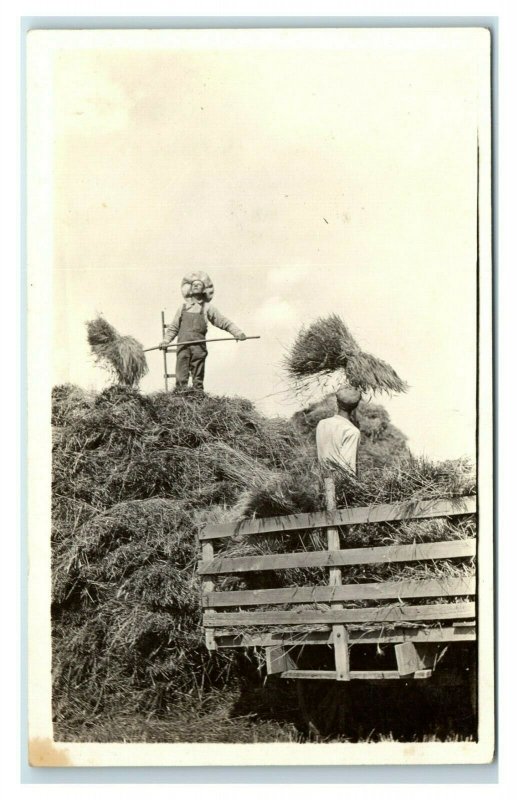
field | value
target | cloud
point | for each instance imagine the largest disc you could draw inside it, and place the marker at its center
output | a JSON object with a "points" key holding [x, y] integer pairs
{"points": [[276, 312], [279, 278]]}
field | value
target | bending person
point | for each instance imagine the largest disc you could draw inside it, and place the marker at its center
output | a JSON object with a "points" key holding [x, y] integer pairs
{"points": [[337, 437]]}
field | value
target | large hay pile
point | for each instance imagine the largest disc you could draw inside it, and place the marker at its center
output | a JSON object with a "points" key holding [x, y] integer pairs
{"points": [[133, 479]]}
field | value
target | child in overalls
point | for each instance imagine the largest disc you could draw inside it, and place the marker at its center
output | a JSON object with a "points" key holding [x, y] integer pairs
{"points": [[190, 324]]}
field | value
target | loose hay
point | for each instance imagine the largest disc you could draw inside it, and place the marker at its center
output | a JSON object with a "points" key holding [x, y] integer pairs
{"points": [[327, 346], [134, 478], [123, 356]]}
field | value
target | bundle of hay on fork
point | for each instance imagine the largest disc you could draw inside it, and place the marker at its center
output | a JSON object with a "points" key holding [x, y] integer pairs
{"points": [[123, 356], [326, 346]]}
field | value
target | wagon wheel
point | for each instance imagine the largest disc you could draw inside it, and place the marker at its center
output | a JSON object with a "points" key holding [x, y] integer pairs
{"points": [[325, 706]]}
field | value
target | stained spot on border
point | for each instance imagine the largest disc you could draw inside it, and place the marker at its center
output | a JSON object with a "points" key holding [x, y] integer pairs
{"points": [[44, 753]]}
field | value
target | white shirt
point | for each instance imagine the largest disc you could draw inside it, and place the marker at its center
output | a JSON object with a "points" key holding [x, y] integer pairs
{"points": [[337, 442]]}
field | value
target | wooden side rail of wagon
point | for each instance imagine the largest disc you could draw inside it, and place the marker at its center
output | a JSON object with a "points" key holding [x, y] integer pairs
{"points": [[417, 631]]}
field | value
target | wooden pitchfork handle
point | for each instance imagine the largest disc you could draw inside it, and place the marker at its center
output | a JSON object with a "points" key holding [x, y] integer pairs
{"points": [[201, 341]]}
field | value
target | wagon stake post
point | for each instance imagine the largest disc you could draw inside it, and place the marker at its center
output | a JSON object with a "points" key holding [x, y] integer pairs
{"points": [[339, 632]]}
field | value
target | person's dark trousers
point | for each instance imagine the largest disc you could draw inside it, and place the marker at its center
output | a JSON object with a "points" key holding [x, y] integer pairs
{"points": [[191, 361]]}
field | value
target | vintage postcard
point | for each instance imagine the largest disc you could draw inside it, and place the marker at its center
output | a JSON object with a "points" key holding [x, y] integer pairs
{"points": [[260, 397]]}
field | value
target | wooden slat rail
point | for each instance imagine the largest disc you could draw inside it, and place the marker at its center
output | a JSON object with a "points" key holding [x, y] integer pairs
{"points": [[446, 587], [346, 516], [311, 674], [433, 635], [398, 613], [323, 558], [369, 675]]}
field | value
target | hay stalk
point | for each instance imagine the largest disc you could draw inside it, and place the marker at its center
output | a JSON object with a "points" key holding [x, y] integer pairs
{"points": [[326, 347], [122, 356]]}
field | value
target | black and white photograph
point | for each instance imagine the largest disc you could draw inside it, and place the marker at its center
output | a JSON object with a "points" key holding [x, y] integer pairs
{"points": [[260, 397]]}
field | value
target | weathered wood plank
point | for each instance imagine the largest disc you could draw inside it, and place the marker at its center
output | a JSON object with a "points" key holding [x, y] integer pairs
{"points": [[207, 588], [436, 611], [433, 635], [412, 657], [422, 673], [278, 660], [367, 675], [323, 558], [374, 674], [339, 632], [447, 587], [332, 533], [345, 516], [341, 652], [311, 674], [230, 640]]}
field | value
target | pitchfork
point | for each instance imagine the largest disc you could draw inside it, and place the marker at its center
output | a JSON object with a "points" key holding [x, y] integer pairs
{"points": [[200, 341]]}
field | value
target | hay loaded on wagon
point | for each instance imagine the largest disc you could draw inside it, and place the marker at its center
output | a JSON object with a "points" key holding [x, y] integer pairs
{"points": [[364, 581], [373, 593]]}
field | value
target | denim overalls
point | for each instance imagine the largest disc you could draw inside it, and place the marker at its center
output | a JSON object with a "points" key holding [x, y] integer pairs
{"points": [[191, 359]]}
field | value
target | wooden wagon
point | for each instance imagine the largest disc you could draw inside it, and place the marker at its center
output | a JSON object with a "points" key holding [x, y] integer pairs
{"points": [[415, 632]]}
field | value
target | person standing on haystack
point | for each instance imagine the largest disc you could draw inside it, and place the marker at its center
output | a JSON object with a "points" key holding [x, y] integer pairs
{"points": [[337, 437], [190, 324]]}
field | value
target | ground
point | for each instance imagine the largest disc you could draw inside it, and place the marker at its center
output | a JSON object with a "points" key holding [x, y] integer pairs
{"points": [[270, 711]]}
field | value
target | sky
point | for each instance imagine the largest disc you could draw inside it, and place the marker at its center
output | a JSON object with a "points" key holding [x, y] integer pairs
{"points": [[339, 177]]}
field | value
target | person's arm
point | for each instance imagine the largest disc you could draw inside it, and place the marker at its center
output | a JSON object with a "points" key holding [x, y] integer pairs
{"points": [[350, 440], [172, 329], [219, 321], [350, 434]]}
